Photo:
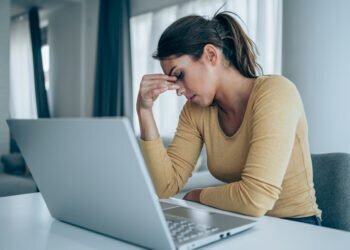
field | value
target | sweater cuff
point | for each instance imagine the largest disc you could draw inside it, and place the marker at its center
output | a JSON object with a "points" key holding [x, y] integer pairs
{"points": [[202, 196]]}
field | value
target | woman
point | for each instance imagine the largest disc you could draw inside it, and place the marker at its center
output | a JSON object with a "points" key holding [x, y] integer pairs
{"points": [[254, 127]]}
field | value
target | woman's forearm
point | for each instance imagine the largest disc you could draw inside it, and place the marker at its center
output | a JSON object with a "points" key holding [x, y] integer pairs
{"points": [[148, 127]]}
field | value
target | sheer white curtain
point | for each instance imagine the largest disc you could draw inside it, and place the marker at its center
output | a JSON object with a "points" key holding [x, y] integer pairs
{"points": [[22, 88], [262, 20]]}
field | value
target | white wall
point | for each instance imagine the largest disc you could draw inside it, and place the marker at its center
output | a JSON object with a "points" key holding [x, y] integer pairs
{"points": [[316, 57], [4, 74], [72, 38]]}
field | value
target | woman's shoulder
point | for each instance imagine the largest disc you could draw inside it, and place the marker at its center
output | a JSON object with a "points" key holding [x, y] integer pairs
{"points": [[276, 88], [274, 82], [276, 85]]}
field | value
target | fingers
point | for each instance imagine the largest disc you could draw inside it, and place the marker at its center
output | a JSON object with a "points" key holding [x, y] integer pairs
{"points": [[156, 80], [156, 92], [154, 84], [150, 89], [185, 197], [159, 77], [159, 84]]}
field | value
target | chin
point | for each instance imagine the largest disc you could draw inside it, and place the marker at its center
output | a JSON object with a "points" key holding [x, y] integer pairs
{"points": [[203, 104]]}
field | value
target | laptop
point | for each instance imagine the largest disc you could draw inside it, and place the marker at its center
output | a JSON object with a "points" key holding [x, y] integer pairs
{"points": [[91, 174]]}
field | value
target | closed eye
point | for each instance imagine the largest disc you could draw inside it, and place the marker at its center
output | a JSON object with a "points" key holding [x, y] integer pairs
{"points": [[179, 76]]}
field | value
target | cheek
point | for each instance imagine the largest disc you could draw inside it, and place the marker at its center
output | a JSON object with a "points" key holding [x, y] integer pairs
{"points": [[195, 83], [205, 87], [207, 94], [198, 80]]}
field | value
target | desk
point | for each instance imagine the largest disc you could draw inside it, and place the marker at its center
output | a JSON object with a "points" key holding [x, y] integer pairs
{"points": [[25, 223]]}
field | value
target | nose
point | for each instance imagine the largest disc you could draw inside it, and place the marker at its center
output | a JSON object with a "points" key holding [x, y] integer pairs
{"points": [[181, 91]]}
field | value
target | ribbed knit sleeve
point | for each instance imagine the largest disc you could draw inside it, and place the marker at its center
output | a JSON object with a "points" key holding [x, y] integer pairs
{"points": [[275, 115], [170, 168]]}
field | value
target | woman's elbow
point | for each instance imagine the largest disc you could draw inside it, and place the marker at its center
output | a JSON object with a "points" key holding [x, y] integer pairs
{"points": [[167, 192], [260, 200], [256, 212], [163, 195], [259, 205]]}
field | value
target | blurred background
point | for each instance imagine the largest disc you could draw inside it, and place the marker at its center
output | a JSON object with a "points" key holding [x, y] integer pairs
{"points": [[84, 58]]}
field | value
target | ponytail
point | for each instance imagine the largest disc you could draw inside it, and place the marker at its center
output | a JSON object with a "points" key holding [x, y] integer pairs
{"points": [[237, 47], [189, 35]]}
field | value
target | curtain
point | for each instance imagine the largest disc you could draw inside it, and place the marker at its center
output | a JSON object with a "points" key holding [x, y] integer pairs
{"points": [[28, 99], [113, 72], [261, 20], [22, 86], [40, 91]]}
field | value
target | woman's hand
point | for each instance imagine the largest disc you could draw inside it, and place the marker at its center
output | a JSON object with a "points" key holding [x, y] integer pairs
{"points": [[193, 195], [151, 87]]}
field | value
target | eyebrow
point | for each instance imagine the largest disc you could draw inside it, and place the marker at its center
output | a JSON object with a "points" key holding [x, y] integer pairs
{"points": [[171, 71]]}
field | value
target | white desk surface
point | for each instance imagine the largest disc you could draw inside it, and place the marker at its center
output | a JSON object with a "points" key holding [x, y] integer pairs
{"points": [[25, 223]]}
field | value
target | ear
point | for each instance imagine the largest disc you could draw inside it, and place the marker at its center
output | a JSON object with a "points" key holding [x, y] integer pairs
{"points": [[210, 54]]}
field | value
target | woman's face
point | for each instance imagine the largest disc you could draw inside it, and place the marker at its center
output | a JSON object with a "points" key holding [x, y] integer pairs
{"points": [[196, 78]]}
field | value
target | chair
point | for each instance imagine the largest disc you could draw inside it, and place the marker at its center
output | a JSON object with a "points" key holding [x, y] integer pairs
{"points": [[14, 178], [332, 185]]}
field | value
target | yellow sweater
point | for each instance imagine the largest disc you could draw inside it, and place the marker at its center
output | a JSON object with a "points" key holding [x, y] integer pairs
{"points": [[266, 163]]}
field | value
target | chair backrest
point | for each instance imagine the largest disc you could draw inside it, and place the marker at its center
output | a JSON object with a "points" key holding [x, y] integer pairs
{"points": [[332, 185]]}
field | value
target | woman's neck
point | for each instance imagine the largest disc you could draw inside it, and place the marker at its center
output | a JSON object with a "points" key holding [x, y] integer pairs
{"points": [[233, 91]]}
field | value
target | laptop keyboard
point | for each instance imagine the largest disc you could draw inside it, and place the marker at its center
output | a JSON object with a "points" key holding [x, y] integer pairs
{"points": [[184, 230]]}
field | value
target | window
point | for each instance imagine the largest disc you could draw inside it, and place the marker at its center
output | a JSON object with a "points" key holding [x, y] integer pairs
{"points": [[45, 54], [22, 86], [262, 21]]}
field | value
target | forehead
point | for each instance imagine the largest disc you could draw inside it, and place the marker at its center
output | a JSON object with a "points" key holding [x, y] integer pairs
{"points": [[170, 62]]}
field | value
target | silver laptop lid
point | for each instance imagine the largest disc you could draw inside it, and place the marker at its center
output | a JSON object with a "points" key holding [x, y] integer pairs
{"points": [[78, 165]]}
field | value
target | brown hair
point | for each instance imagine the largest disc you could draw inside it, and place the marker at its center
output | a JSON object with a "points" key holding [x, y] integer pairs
{"points": [[189, 35]]}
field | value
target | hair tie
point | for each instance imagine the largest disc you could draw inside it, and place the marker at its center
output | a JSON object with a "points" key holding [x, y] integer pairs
{"points": [[217, 27]]}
